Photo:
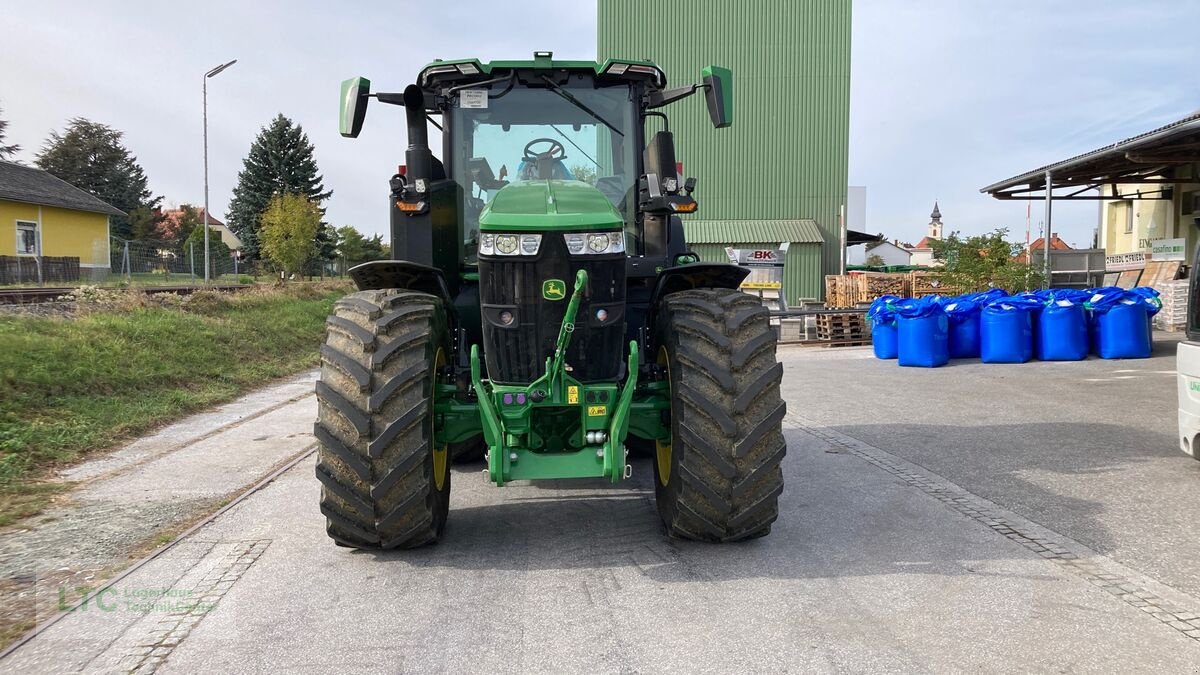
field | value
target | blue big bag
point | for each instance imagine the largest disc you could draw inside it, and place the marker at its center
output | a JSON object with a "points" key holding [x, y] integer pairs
{"points": [[1099, 301], [1122, 322], [882, 315], [962, 314], [1006, 330], [922, 333], [1062, 333]]}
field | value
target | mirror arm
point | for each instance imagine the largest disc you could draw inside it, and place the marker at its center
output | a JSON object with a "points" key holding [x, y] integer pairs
{"points": [[394, 99], [657, 99]]}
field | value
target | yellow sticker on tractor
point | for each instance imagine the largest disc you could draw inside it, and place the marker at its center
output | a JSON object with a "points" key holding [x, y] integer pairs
{"points": [[572, 394], [597, 410]]}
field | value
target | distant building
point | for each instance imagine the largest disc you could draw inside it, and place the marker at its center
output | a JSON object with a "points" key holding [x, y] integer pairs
{"points": [[795, 55], [44, 216], [1056, 244], [169, 228], [922, 253], [890, 252]]}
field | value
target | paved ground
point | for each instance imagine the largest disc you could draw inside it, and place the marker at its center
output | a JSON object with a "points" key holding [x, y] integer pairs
{"points": [[126, 500], [971, 518]]}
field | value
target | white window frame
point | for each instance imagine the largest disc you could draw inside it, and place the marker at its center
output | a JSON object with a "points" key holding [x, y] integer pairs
{"points": [[37, 237]]}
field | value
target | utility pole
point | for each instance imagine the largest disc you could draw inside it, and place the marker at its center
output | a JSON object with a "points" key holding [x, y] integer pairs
{"points": [[212, 73]]}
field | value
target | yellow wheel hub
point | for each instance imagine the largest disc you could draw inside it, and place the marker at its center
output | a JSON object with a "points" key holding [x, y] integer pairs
{"points": [[662, 449], [441, 453]]}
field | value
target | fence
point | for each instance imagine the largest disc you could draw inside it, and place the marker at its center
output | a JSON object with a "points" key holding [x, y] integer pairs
{"points": [[157, 262], [25, 270], [148, 263]]}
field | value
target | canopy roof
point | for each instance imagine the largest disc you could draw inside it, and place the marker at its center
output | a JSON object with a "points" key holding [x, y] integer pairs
{"points": [[1150, 159]]}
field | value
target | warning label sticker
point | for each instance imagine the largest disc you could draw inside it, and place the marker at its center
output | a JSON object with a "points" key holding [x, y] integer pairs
{"points": [[473, 98]]}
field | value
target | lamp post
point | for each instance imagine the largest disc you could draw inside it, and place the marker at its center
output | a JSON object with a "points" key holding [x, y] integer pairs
{"points": [[212, 73]]}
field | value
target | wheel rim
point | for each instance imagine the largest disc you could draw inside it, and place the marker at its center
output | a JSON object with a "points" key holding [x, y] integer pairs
{"points": [[662, 449], [441, 453]]}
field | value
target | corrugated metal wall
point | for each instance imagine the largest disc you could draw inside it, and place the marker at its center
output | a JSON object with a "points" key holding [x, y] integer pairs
{"points": [[802, 275], [786, 154]]}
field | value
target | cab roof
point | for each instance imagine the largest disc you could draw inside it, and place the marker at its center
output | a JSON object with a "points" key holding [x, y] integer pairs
{"points": [[468, 69]]}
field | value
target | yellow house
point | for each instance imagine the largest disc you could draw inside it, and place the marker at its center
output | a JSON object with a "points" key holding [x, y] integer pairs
{"points": [[41, 215]]}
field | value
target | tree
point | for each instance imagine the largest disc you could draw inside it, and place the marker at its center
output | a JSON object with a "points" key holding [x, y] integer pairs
{"points": [[977, 262], [288, 232], [172, 231], [90, 156], [355, 249], [220, 258], [584, 173], [6, 151], [875, 260], [280, 162], [144, 224]]}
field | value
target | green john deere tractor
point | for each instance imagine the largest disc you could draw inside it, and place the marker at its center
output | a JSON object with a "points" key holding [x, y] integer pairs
{"points": [[544, 309]]}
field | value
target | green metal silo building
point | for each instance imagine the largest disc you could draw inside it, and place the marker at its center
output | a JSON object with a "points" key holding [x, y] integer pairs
{"points": [[781, 169]]}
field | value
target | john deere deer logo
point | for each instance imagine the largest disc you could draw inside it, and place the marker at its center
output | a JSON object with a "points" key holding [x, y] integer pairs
{"points": [[554, 289]]}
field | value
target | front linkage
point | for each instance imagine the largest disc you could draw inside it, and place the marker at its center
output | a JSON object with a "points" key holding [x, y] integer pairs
{"points": [[517, 419]]}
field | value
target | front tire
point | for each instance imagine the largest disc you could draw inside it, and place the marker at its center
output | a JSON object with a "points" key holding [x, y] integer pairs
{"points": [[385, 482], [719, 478]]}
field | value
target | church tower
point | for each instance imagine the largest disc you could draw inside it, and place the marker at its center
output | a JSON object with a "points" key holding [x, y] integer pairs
{"points": [[935, 223]]}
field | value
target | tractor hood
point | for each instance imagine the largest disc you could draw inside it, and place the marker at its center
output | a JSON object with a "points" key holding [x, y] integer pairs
{"points": [[549, 205]]}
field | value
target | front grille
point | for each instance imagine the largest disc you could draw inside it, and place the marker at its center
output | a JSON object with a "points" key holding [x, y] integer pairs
{"points": [[516, 354]]}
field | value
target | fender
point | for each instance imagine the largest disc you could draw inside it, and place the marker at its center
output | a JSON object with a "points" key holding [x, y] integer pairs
{"points": [[411, 276], [693, 275]]}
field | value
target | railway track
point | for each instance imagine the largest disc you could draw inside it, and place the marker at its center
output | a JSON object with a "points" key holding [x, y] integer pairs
{"points": [[29, 296]]}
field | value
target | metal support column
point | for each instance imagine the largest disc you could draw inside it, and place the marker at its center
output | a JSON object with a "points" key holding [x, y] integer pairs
{"points": [[1049, 234]]}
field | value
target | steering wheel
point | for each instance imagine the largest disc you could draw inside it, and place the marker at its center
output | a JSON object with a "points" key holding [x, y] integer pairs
{"points": [[556, 151]]}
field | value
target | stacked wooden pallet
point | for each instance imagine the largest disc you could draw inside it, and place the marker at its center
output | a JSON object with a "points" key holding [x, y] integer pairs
{"points": [[1174, 296], [928, 283], [850, 290], [841, 291], [874, 285], [842, 330]]}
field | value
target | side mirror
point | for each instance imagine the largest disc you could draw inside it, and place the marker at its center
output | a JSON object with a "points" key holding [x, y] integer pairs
{"points": [[718, 93], [355, 95]]}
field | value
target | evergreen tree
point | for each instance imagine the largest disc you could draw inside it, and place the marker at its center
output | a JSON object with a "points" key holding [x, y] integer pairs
{"points": [[91, 157], [6, 151], [280, 162]]}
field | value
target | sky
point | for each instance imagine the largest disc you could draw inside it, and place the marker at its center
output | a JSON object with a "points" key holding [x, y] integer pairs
{"points": [[946, 96]]}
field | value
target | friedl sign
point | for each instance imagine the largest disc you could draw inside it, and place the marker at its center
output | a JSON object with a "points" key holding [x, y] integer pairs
{"points": [[766, 265], [1167, 249], [1125, 261]]}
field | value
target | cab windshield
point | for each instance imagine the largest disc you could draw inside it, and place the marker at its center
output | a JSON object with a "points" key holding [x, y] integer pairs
{"points": [[537, 134]]}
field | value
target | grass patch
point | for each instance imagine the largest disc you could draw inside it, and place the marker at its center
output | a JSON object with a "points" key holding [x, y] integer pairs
{"points": [[127, 362]]}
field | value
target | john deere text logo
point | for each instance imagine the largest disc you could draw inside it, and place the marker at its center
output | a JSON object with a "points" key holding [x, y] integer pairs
{"points": [[554, 289]]}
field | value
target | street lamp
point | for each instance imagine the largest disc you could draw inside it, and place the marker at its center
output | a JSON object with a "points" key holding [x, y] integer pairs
{"points": [[212, 73]]}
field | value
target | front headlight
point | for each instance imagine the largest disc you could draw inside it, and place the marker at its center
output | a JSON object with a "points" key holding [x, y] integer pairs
{"points": [[575, 243], [595, 243], [491, 243], [506, 244], [530, 243]]}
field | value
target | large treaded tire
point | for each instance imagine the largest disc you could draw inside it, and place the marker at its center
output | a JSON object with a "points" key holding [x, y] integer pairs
{"points": [[376, 461], [724, 477]]}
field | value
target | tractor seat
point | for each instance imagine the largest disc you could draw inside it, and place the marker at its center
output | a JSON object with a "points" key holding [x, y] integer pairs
{"points": [[528, 170]]}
